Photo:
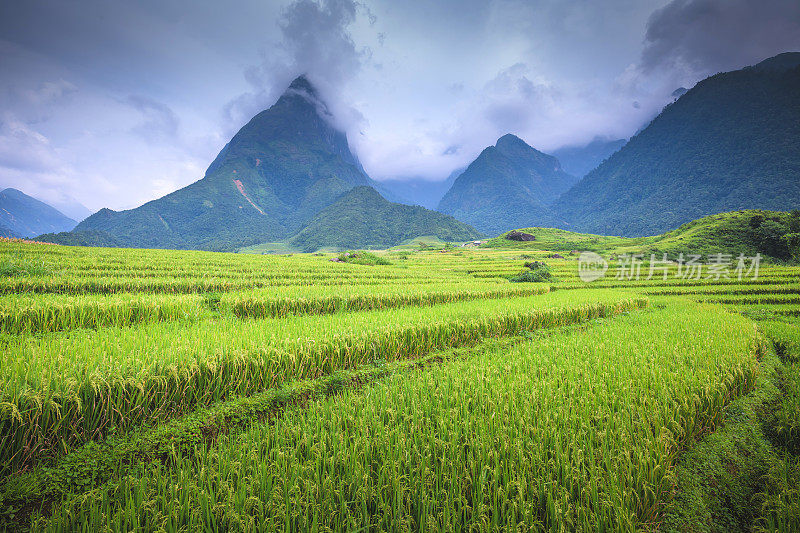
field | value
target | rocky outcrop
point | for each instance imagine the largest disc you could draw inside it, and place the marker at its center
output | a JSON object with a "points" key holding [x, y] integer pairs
{"points": [[515, 235]]}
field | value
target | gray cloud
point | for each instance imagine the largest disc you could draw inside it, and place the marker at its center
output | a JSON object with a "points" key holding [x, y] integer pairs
{"points": [[512, 101], [159, 119], [314, 40], [46, 93], [703, 37], [33, 103]]}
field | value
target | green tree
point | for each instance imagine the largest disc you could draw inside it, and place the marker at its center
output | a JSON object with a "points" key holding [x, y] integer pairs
{"points": [[793, 244], [769, 237], [794, 221]]}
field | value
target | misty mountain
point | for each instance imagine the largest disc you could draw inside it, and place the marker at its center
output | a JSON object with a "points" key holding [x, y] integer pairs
{"points": [[24, 216], [509, 185], [362, 218], [731, 142], [71, 207], [580, 160], [419, 191], [283, 167]]}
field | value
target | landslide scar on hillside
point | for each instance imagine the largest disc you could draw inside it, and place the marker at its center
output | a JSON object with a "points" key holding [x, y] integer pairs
{"points": [[239, 186]]}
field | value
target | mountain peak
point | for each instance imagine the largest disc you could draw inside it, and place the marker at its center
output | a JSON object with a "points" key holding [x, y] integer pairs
{"points": [[508, 185], [302, 84], [512, 146], [283, 167], [366, 191], [301, 89], [509, 139], [515, 148]]}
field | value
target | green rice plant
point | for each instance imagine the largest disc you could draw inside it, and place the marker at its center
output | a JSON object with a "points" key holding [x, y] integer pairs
{"points": [[572, 432], [28, 314], [751, 299], [674, 286], [60, 391], [46, 313], [98, 462], [780, 508], [105, 271], [719, 475], [318, 300], [785, 418], [87, 285], [726, 289], [773, 310], [15, 267], [785, 335]]}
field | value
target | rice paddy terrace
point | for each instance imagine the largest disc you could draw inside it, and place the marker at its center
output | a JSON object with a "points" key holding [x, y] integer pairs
{"points": [[182, 391]]}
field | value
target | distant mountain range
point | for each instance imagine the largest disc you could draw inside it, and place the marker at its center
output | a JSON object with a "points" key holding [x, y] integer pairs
{"points": [[731, 142], [24, 216], [419, 191], [508, 185], [580, 160], [71, 207]]}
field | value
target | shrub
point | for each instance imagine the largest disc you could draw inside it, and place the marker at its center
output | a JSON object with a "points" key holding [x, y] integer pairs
{"points": [[363, 258], [537, 272]]}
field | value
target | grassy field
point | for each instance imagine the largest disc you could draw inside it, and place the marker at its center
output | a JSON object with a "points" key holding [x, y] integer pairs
{"points": [[179, 391]]}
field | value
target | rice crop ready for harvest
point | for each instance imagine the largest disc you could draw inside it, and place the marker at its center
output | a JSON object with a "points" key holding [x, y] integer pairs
{"points": [[570, 432], [60, 390]]}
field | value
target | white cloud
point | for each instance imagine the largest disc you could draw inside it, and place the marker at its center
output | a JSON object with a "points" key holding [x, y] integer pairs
{"points": [[23, 148]]}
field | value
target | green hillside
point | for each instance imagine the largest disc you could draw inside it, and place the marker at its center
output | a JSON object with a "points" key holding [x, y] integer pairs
{"points": [[740, 232], [729, 143], [508, 185], [362, 218]]}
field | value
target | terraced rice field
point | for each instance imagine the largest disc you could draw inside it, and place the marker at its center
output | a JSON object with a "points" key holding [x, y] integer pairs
{"points": [[162, 390]]}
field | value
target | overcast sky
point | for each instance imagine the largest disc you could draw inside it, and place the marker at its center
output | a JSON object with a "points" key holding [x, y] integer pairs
{"points": [[115, 103]]}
